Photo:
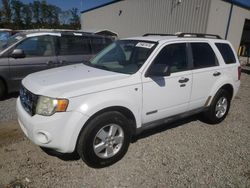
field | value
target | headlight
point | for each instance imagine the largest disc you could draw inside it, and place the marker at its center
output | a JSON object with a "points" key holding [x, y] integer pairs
{"points": [[47, 106]]}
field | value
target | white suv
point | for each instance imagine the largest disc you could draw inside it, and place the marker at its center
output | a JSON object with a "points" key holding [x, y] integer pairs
{"points": [[95, 108]]}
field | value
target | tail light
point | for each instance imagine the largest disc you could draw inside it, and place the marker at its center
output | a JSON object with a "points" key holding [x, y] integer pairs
{"points": [[239, 72]]}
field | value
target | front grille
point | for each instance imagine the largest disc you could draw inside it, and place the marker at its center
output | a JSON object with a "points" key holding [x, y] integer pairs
{"points": [[28, 100]]}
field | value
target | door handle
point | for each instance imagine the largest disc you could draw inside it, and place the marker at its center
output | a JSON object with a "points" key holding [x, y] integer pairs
{"points": [[49, 62], [62, 62], [183, 80], [216, 73]]}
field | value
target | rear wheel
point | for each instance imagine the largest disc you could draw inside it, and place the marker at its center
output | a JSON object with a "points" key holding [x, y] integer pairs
{"points": [[104, 140], [219, 107], [3, 89]]}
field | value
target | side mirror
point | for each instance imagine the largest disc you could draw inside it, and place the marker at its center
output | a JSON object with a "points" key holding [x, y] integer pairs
{"points": [[18, 53], [158, 70]]}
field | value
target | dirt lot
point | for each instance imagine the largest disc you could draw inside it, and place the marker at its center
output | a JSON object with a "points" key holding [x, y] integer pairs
{"points": [[188, 153]]}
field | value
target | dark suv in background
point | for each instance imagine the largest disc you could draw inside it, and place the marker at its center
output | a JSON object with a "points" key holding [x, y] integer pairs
{"points": [[31, 51]]}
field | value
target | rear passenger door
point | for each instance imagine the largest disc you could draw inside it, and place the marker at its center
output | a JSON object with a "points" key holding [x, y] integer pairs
{"points": [[206, 72], [73, 49]]}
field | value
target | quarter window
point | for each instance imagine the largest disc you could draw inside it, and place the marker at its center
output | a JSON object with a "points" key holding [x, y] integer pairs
{"points": [[173, 56], [226, 53], [203, 55]]}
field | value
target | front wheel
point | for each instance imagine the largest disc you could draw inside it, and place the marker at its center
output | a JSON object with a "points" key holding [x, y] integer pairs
{"points": [[219, 107], [104, 140]]}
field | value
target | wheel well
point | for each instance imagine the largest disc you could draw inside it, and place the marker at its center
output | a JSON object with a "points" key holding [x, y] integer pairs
{"points": [[125, 111], [229, 89], [4, 82]]}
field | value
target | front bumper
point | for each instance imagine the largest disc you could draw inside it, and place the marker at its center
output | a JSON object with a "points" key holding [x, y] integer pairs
{"points": [[59, 131]]}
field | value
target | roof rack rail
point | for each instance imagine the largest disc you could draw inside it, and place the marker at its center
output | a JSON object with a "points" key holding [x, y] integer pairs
{"points": [[199, 35], [157, 34]]}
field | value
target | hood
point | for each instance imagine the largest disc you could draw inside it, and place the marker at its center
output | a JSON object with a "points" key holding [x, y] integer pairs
{"points": [[71, 81]]}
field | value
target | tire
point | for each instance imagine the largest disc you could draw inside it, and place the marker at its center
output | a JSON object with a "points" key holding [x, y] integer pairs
{"points": [[98, 132], [3, 90], [219, 107]]}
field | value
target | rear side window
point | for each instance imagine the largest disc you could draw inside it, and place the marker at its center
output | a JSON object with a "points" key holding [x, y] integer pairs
{"points": [[99, 43], [226, 52], [74, 45], [203, 55]]}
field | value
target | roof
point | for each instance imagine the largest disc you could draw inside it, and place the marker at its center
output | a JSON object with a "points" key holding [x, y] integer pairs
{"points": [[152, 38], [55, 32], [177, 36], [5, 30], [101, 31]]}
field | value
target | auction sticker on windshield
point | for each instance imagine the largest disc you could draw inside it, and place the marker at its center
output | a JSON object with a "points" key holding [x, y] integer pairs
{"points": [[144, 45]]}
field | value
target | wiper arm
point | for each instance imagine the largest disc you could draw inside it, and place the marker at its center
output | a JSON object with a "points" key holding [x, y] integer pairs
{"points": [[101, 67], [86, 62]]}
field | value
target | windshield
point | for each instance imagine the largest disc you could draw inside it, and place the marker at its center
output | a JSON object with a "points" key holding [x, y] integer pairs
{"points": [[10, 41], [4, 35], [124, 56]]}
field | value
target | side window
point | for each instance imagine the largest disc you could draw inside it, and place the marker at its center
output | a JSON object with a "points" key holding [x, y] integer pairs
{"points": [[74, 45], [37, 46], [226, 53], [173, 56], [108, 41], [203, 55], [98, 44]]}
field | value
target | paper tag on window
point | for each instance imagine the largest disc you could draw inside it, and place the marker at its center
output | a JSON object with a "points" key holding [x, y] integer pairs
{"points": [[144, 45]]}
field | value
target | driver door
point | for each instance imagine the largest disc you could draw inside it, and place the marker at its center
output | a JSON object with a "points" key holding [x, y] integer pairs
{"points": [[165, 96], [39, 54]]}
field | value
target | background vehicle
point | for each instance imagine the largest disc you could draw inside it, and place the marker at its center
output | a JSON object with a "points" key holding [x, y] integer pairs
{"points": [[131, 85], [5, 34], [31, 51]]}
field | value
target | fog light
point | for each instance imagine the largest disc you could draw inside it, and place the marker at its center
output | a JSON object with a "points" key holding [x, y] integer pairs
{"points": [[43, 138]]}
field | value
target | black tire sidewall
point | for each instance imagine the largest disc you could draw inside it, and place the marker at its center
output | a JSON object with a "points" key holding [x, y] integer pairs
{"points": [[212, 113], [86, 139]]}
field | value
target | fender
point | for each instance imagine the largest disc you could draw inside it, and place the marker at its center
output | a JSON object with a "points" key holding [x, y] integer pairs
{"points": [[129, 97], [224, 79]]}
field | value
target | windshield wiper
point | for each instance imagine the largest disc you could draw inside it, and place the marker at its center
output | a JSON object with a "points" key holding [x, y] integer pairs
{"points": [[88, 63], [101, 67]]}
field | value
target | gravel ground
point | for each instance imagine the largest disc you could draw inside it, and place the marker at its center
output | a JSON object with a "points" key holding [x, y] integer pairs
{"points": [[7, 108], [188, 153]]}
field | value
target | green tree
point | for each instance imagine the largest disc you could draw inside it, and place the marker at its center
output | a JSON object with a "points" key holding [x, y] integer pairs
{"points": [[55, 15], [0, 16], [75, 20], [36, 12], [44, 12], [6, 11], [17, 6], [27, 15], [65, 17]]}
